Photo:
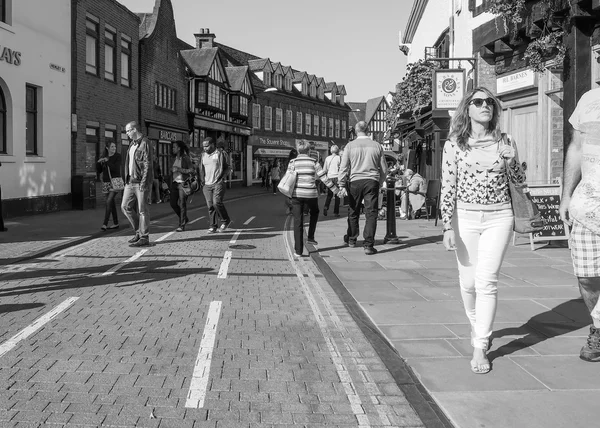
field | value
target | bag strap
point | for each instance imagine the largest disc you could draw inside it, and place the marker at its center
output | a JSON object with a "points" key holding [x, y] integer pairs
{"points": [[509, 171], [109, 175]]}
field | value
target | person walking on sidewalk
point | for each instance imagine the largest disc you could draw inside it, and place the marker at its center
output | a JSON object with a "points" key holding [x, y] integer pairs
{"points": [[580, 208], [476, 209], [415, 186], [332, 168], [181, 170], [275, 175], [362, 172], [213, 169], [305, 194], [138, 185], [110, 167], [156, 179], [288, 201]]}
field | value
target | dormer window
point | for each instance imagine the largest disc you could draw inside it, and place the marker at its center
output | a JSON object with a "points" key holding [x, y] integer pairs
{"points": [[267, 80], [313, 91], [321, 92], [288, 83], [278, 81]]}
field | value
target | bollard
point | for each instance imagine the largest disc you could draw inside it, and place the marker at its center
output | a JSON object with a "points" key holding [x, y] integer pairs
{"points": [[390, 235]]}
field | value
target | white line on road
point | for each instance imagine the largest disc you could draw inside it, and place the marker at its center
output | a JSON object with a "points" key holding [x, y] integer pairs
{"points": [[194, 221], [35, 326], [236, 235], [129, 260], [249, 220], [197, 392], [165, 236], [224, 265]]}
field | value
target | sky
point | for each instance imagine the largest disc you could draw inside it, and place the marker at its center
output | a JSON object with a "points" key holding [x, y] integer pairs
{"points": [[344, 41]]}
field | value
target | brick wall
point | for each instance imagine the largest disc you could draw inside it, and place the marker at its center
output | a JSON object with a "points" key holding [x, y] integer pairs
{"points": [[94, 98], [160, 62], [556, 154], [486, 73]]}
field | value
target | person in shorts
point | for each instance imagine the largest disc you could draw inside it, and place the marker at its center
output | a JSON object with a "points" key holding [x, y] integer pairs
{"points": [[580, 208]]}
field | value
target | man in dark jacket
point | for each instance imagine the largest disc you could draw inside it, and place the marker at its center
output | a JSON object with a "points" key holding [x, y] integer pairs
{"points": [[138, 185]]}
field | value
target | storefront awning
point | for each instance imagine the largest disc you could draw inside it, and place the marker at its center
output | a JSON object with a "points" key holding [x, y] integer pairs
{"points": [[272, 153]]}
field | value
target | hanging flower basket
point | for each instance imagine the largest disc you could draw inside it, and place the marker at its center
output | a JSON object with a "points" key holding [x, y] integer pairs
{"points": [[511, 12], [545, 48]]}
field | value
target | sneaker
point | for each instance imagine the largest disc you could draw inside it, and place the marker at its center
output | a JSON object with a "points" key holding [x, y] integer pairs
{"points": [[134, 239], [369, 251], [312, 241], [224, 226], [297, 254], [591, 351], [212, 230], [114, 226], [142, 242], [180, 229], [348, 243], [104, 227]]}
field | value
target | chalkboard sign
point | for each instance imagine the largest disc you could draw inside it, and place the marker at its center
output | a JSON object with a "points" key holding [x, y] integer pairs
{"points": [[547, 198]]}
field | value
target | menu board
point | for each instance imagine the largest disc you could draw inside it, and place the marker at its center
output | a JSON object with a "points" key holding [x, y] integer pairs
{"points": [[547, 198]]}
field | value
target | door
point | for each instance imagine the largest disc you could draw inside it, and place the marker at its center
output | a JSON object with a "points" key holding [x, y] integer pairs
{"points": [[524, 128]]}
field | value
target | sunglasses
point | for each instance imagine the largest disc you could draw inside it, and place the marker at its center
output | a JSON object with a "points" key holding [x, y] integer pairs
{"points": [[478, 102]]}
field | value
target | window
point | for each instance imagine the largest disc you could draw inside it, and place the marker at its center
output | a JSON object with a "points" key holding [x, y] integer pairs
{"points": [[313, 91], [337, 128], [2, 123], [125, 62], [91, 46], [244, 106], [268, 75], [278, 81], [3, 7], [214, 96], [31, 122], [109, 55], [165, 97], [256, 116], [288, 121], [331, 127], [91, 148], [201, 93], [323, 126], [278, 120], [299, 122], [344, 128], [316, 125], [268, 118], [308, 124], [110, 135], [288, 82]]}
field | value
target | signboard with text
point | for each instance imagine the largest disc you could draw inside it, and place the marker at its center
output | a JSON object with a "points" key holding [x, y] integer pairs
{"points": [[448, 88], [523, 79]]}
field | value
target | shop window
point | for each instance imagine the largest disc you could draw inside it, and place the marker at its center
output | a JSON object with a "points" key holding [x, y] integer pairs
{"points": [[323, 126], [31, 121], [337, 128], [125, 61], [344, 128], [91, 148], [2, 123], [91, 45], [288, 121], [268, 118], [316, 125], [278, 120], [256, 116], [110, 61], [299, 122], [308, 124], [5, 11], [2, 10]]}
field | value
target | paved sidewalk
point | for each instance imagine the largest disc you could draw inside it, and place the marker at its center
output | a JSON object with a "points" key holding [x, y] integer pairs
{"points": [[410, 292], [34, 236]]}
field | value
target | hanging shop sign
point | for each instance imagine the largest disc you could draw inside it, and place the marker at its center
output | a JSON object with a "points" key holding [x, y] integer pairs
{"points": [[448, 88], [520, 80], [10, 56]]}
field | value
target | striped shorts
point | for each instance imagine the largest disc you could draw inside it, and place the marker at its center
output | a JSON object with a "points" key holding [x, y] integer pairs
{"points": [[585, 251]]}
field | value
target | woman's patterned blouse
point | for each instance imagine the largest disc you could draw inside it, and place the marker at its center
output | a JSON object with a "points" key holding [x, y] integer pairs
{"points": [[476, 175]]}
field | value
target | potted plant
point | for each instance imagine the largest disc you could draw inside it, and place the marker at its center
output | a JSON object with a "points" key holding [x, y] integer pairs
{"points": [[544, 48], [511, 12]]}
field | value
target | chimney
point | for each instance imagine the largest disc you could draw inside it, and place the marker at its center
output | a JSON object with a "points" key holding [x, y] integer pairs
{"points": [[204, 39]]}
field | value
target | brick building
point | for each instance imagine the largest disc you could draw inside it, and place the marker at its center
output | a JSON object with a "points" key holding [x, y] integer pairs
{"points": [[105, 93], [163, 83]]}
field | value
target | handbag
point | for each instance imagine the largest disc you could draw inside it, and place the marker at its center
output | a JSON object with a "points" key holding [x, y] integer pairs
{"points": [[190, 186], [117, 184], [527, 215], [288, 181]]}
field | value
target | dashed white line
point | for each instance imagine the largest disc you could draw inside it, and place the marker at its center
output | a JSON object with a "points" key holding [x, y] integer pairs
{"points": [[35, 326], [200, 376], [120, 265], [249, 220], [224, 265], [165, 236], [194, 221], [236, 235]]}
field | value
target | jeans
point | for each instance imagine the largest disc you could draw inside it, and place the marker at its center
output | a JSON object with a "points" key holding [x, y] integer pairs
{"points": [[111, 208], [135, 208], [274, 183], [298, 207], [179, 202], [367, 191], [336, 203], [214, 194], [156, 190], [481, 241]]}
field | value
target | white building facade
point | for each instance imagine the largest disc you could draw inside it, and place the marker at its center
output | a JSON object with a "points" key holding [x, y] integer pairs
{"points": [[35, 106]]}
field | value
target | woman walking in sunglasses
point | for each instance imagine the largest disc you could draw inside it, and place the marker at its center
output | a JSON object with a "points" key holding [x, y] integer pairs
{"points": [[476, 209]]}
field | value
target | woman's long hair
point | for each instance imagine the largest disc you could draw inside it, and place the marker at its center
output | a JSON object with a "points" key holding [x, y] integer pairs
{"points": [[460, 125], [183, 148]]}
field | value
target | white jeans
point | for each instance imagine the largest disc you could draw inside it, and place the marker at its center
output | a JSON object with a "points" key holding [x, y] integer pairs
{"points": [[481, 241]]}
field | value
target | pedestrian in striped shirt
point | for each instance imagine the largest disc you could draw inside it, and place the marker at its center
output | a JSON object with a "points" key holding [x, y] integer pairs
{"points": [[305, 194]]}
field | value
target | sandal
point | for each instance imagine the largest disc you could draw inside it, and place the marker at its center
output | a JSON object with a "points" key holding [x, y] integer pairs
{"points": [[481, 368]]}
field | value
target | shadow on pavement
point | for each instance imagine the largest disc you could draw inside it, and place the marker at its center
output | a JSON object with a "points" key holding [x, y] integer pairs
{"points": [[543, 326], [19, 307]]}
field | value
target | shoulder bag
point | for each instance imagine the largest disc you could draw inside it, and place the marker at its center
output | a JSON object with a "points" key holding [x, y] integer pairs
{"points": [[527, 215], [117, 184], [288, 181]]}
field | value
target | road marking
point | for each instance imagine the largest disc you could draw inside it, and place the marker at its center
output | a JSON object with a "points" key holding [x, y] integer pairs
{"points": [[129, 260], [199, 384], [35, 326], [336, 356], [236, 235], [249, 220], [224, 265], [194, 221], [165, 236]]}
